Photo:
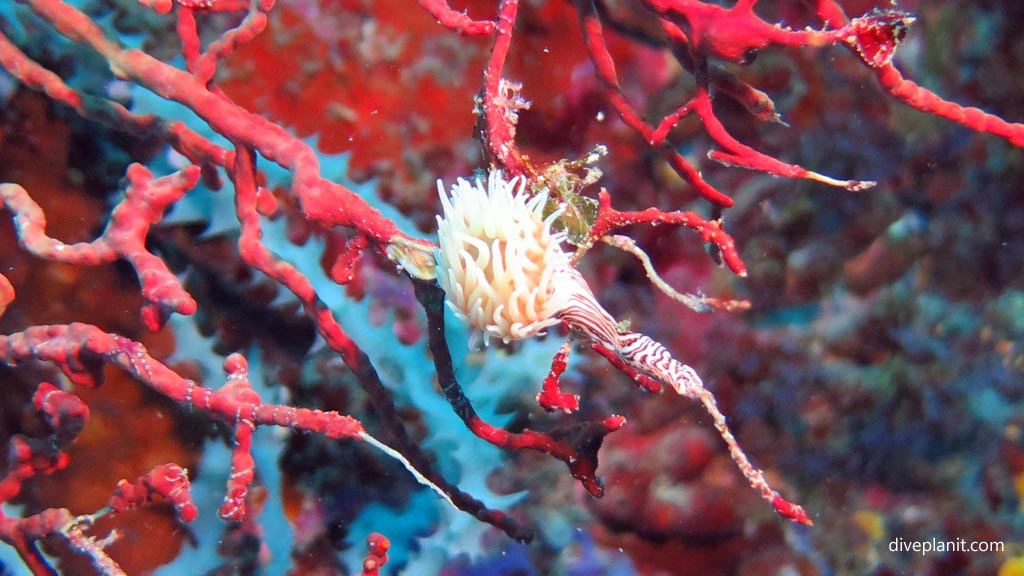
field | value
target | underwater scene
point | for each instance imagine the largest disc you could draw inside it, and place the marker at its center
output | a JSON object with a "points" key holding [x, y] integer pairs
{"points": [[512, 287]]}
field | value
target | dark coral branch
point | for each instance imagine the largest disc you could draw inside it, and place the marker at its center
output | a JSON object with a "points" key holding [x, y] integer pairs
{"points": [[575, 445], [258, 256]]}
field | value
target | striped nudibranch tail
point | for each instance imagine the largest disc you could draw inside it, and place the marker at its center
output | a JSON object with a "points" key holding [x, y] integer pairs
{"points": [[649, 357]]}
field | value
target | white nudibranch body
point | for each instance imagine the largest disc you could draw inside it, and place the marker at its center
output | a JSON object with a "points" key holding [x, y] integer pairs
{"points": [[499, 259], [505, 273]]}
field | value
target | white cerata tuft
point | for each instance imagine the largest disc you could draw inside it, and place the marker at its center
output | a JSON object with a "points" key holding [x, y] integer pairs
{"points": [[499, 261]]}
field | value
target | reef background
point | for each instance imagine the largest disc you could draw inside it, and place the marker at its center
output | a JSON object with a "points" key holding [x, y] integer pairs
{"points": [[877, 377]]}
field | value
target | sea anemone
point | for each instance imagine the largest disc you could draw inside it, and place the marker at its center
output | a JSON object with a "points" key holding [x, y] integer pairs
{"points": [[499, 261]]}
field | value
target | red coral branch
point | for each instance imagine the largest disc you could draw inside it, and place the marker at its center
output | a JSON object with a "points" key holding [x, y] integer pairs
{"points": [[604, 68], [922, 99], [551, 397], [324, 202], [143, 206], [703, 31], [496, 107], [67, 415], [376, 554], [168, 481], [204, 64], [80, 351], [609, 219], [457, 21]]}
